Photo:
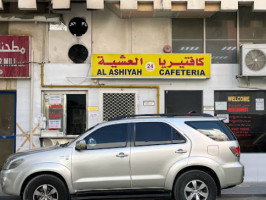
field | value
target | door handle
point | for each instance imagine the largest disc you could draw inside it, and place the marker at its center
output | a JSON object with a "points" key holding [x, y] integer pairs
{"points": [[181, 151], [121, 155]]}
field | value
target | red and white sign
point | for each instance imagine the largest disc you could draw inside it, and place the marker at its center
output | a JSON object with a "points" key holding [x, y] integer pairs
{"points": [[14, 56]]}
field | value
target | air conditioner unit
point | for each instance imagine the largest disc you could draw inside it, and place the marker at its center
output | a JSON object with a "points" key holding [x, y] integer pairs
{"points": [[253, 60]]}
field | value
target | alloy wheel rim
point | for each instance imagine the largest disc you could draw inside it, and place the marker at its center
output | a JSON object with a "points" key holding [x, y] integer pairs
{"points": [[45, 192], [196, 190]]}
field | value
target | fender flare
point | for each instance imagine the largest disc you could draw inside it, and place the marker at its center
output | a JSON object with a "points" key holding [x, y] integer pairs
{"points": [[41, 168], [192, 162]]}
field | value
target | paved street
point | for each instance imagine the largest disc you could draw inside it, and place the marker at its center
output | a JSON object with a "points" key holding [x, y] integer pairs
{"points": [[245, 191], [223, 197]]}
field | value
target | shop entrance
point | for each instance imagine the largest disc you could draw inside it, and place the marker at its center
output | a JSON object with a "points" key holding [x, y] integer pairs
{"points": [[7, 125], [65, 112], [183, 101]]}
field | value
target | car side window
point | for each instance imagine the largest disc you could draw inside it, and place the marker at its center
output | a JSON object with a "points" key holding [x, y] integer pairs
{"points": [[112, 136], [154, 133], [215, 130], [177, 137]]}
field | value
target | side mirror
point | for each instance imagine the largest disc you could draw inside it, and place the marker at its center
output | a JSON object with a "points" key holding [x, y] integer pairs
{"points": [[81, 145]]}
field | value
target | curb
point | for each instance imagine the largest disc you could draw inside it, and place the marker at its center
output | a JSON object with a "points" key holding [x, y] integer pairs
{"points": [[250, 189], [242, 195]]}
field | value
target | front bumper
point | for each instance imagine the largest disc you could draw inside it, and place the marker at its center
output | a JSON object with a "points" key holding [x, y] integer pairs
{"points": [[233, 174], [8, 183]]}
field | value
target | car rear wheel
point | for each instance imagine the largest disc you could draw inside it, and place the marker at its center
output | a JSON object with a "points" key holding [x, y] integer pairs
{"points": [[45, 187], [195, 185]]}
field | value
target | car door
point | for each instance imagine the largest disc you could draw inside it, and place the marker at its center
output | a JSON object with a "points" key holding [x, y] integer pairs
{"points": [[157, 146], [105, 162]]}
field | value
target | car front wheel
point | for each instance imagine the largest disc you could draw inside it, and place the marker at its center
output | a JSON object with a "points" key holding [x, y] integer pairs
{"points": [[45, 187], [195, 185]]}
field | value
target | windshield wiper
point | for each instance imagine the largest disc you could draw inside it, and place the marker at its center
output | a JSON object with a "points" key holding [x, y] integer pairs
{"points": [[63, 145]]}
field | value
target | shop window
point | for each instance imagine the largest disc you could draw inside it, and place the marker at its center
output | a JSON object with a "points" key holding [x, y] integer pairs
{"points": [[244, 113], [187, 36], [221, 37], [252, 26], [65, 112]]}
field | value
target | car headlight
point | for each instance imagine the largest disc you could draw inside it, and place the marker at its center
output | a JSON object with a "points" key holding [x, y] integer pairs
{"points": [[13, 164]]}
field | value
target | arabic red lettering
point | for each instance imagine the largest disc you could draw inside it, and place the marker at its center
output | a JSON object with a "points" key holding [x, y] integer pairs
{"points": [[54, 115], [59, 106], [199, 61]]}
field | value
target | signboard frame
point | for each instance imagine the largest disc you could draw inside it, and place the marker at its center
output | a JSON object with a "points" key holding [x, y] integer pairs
{"points": [[151, 66], [20, 65]]}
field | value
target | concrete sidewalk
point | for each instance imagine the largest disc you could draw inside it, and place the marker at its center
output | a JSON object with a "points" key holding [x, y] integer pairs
{"points": [[247, 188]]}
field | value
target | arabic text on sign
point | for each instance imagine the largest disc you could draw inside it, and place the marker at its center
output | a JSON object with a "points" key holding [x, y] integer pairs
{"points": [[6, 48]]}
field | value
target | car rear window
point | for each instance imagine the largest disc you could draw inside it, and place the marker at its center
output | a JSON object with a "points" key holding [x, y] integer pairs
{"points": [[215, 130]]}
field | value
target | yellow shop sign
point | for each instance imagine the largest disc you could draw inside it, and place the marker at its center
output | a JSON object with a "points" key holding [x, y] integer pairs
{"points": [[151, 65]]}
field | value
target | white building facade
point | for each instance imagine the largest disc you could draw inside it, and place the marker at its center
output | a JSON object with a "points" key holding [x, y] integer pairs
{"points": [[75, 47]]}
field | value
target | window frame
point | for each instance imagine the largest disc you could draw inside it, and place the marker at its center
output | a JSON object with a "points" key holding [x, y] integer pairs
{"points": [[204, 39], [133, 138]]}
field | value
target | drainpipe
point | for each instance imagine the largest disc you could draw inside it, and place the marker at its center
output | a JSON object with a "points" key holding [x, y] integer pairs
{"points": [[31, 99]]}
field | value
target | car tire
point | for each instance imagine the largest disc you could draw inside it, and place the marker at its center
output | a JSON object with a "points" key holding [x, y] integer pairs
{"points": [[45, 186], [195, 184]]}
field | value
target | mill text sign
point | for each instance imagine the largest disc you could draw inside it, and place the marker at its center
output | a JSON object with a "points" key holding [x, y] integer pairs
{"points": [[14, 56]]}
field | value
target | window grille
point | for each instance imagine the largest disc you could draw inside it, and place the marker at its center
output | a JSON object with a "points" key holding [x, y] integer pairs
{"points": [[118, 104]]}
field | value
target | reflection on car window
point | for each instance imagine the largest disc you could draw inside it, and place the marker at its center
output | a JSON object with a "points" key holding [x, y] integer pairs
{"points": [[215, 130], [153, 133], [108, 137]]}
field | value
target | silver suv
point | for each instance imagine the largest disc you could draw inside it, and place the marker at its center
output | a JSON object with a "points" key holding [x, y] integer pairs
{"points": [[184, 157]]}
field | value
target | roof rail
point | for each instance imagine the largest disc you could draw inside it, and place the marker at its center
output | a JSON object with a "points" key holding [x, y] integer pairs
{"points": [[162, 115]]}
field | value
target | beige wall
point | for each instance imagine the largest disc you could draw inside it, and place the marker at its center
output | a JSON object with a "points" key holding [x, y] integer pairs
{"points": [[8, 84], [151, 35], [110, 34], [37, 32]]}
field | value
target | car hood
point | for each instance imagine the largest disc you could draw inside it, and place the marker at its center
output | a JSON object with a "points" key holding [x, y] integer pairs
{"points": [[32, 151]]}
